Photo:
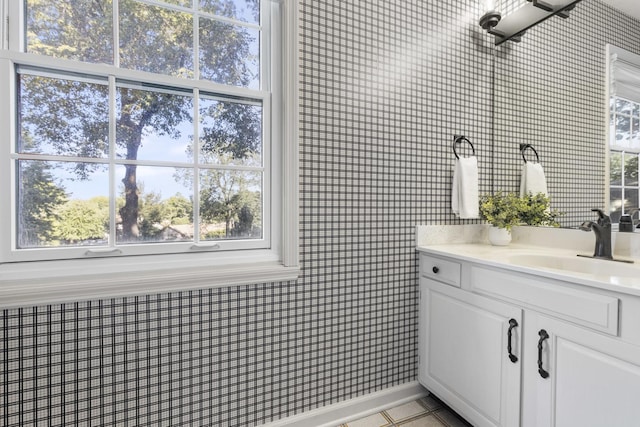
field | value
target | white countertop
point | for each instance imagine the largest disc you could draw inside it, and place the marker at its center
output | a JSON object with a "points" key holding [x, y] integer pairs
{"points": [[511, 258]]}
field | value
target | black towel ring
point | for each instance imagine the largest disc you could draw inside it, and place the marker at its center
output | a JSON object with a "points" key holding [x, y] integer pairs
{"points": [[461, 138], [523, 147]]}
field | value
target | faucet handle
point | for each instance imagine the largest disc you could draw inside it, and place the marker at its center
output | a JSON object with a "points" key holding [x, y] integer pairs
{"points": [[603, 219]]}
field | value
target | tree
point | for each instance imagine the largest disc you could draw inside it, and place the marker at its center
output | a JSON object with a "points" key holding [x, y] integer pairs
{"points": [[233, 134], [142, 111], [179, 209], [72, 29], [155, 214], [151, 215], [71, 117], [40, 199], [225, 193], [82, 220], [244, 227]]}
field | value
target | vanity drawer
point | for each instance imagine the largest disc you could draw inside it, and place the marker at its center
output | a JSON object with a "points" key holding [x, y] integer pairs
{"points": [[589, 309], [443, 270]]}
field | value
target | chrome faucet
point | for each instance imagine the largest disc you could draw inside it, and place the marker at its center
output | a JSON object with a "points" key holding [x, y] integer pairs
{"points": [[602, 229]]}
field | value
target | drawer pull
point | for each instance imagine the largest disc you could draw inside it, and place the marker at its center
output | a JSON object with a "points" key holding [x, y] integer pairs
{"points": [[513, 323], [442, 270], [543, 336]]}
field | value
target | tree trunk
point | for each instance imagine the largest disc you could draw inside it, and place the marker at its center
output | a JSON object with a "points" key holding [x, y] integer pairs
{"points": [[129, 212]]}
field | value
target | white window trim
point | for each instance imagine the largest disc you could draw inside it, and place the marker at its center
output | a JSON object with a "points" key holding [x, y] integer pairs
{"points": [[49, 282], [612, 53], [73, 252]]}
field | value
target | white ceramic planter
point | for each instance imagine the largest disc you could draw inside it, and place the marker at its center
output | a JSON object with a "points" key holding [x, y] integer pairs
{"points": [[499, 236]]}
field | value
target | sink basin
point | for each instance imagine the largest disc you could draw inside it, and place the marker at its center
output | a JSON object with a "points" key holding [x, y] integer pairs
{"points": [[596, 267]]}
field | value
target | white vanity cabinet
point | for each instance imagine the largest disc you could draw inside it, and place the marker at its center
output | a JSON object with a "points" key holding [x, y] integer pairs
{"points": [[564, 364], [584, 378], [469, 352]]}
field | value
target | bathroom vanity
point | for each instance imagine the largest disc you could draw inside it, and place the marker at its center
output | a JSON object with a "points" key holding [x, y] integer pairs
{"points": [[530, 336]]}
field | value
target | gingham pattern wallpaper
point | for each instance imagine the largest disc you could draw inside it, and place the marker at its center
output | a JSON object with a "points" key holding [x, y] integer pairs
{"points": [[384, 86], [550, 92]]}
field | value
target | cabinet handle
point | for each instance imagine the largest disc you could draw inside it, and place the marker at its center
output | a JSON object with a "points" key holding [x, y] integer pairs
{"points": [[513, 323], [435, 270], [543, 336]]}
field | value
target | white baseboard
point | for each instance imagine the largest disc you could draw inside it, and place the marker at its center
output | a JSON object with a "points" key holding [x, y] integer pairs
{"points": [[353, 409]]}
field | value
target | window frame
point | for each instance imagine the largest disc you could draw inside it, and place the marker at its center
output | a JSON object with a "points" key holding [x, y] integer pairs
{"points": [[623, 187], [612, 94], [48, 281], [114, 247]]}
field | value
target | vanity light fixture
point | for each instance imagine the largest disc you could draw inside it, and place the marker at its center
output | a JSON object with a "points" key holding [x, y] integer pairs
{"points": [[490, 20], [531, 13]]}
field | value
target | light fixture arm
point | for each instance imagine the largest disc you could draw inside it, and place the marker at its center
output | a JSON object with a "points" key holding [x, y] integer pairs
{"points": [[514, 25]]}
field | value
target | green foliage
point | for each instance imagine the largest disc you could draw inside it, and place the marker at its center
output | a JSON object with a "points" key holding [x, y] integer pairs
{"points": [[178, 209], [155, 39], [40, 200], [72, 29], [227, 196], [232, 129], [151, 212], [64, 117], [80, 220], [244, 225], [501, 210], [504, 210], [155, 213], [71, 118], [630, 168], [215, 235], [238, 210], [535, 210], [615, 167]]}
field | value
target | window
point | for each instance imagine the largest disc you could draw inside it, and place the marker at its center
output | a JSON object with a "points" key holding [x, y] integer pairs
{"points": [[147, 128], [624, 131], [623, 157]]}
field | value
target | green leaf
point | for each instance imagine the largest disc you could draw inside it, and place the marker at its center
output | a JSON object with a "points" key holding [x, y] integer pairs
{"points": [[504, 210]]}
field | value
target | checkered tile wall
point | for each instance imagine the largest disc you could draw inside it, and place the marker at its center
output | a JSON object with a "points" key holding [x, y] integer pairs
{"points": [[384, 86], [550, 92]]}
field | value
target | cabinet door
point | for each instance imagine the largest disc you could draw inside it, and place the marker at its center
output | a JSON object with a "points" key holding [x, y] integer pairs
{"points": [[593, 379], [463, 356]]}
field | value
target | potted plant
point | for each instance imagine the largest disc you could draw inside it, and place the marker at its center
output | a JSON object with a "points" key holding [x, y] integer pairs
{"points": [[502, 211], [535, 211]]}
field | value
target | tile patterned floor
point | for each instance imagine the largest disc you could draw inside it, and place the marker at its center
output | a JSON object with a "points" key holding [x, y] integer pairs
{"points": [[425, 412]]}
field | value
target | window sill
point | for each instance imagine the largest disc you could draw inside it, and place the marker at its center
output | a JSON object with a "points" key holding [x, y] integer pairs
{"points": [[52, 282]]}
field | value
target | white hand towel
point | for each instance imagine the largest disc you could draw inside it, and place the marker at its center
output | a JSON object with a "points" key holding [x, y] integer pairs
{"points": [[464, 194], [532, 179]]}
